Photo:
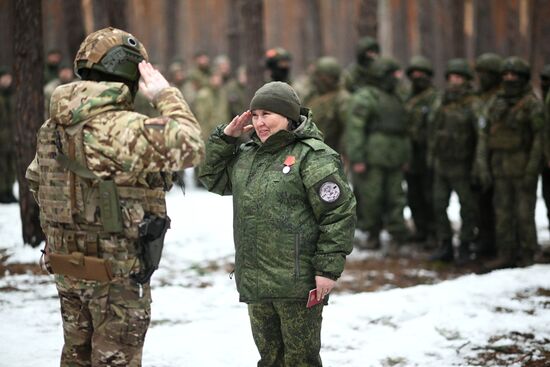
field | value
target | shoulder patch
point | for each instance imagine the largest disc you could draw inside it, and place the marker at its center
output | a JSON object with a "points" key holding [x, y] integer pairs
{"points": [[316, 144], [329, 191]]}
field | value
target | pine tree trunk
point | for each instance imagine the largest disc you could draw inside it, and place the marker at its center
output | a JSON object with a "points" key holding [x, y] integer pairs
{"points": [[367, 22], [29, 106], [110, 13], [74, 25], [252, 15]]}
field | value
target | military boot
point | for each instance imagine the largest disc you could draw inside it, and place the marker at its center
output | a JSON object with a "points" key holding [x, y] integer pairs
{"points": [[373, 242], [444, 252], [502, 261]]}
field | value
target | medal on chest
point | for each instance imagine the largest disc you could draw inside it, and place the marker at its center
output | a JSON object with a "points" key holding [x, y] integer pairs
{"points": [[288, 163]]}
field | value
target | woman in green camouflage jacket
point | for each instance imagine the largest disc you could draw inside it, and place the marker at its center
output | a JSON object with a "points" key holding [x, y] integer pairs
{"points": [[294, 217]]}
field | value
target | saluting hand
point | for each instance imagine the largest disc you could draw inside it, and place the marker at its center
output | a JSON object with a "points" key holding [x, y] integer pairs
{"points": [[151, 81], [239, 125]]}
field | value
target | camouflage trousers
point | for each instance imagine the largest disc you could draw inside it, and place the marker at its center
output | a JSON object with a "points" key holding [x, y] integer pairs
{"points": [[546, 189], [382, 199], [287, 334], [104, 324], [7, 167], [516, 234], [444, 185], [420, 200]]}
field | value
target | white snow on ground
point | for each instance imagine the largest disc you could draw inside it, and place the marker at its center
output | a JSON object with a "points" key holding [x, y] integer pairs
{"points": [[198, 321]]}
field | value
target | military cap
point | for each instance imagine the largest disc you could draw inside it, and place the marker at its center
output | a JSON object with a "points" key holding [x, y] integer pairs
{"points": [[111, 51], [278, 97], [421, 63], [489, 61], [382, 66], [516, 65], [459, 66]]}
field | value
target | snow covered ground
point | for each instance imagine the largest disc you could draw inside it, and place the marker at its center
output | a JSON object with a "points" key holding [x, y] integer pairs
{"points": [[198, 321]]}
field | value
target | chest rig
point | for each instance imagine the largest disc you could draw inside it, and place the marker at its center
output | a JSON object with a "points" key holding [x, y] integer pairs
{"points": [[91, 224], [510, 129]]}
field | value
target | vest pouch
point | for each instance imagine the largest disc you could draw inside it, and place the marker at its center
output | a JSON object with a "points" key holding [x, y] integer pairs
{"points": [[109, 207], [81, 267]]}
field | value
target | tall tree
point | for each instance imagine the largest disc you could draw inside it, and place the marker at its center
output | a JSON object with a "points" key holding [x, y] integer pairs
{"points": [[110, 13], [29, 105], [171, 13], [233, 33], [6, 33], [252, 15], [312, 34], [367, 21], [74, 25]]}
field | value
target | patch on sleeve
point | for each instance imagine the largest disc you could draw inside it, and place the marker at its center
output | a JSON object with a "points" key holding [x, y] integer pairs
{"points": [[329, 191]]}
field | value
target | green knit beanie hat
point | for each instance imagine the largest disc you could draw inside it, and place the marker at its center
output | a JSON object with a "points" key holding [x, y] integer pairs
{"points": [[277, 97]]}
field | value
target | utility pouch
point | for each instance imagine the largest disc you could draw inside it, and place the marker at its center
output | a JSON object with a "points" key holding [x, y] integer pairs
{"points": [[151, 242], [109, 206], [81, 267]]}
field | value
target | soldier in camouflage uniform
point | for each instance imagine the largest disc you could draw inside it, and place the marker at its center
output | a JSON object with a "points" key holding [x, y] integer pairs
{"points": [[453, 153], [357, 75], [278, 64], [51, 68], [294, 216], [329, 104], [379, 152], [419, 105], [100, 171], [511, 154], [487, 67], [7, 150], [545, 86], [64, 76]]}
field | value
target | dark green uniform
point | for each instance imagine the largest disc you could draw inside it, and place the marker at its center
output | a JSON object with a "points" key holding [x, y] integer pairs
{"points": [[377, 137], [288, 228], [330, 102], [357, 75], [512, 154], [420, 105], [545, 86]]}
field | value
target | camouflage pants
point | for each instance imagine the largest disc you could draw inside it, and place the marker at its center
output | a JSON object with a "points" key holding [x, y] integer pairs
{"points": [[514, 203], [443, 187], [546, 190], [383, 200], [287, 334], [420, 200], [104, 324], [7, 168]]}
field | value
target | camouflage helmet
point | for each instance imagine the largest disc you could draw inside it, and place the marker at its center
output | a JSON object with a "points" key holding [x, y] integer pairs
{"points": [[516, 65], [460, 67], [489, 62], [111, 51], [420, 63], [276, 54], [382, 66], [367, 44], [328, 65], [545, 72]]}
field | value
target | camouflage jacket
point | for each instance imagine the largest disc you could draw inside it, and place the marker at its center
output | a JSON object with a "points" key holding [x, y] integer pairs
{"points": [[512, 135], [376, 133], [289, 224], [212, 108], [455, 133], [355, 77], [330, 112], [419, 108], [116, 144]]}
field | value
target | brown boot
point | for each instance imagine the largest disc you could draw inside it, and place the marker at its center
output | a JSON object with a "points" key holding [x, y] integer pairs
{"points": [[500, 262]]}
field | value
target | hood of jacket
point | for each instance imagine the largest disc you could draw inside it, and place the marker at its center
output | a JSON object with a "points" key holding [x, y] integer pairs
{"points": [[76, 102]]}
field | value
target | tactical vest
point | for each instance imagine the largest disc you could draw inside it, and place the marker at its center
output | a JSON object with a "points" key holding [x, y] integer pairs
{"points": [[455, 135], [419, 108], [510, 128], [391, 117], [93, 231]]}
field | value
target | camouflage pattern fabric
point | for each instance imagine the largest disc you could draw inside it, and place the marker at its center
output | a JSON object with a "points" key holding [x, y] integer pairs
{"points": [[330, 110], [419, 176], [286, 333], [377, 135], [453, 152], [212, 108], [288, 227], [134, 151], [512, 152], [356, 77], [105, 324]]}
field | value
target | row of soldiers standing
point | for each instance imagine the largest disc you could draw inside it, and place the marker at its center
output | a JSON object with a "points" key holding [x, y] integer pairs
{"points": [[487, 145]]}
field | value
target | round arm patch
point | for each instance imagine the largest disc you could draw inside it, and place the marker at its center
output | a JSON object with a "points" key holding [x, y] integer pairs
{"points": [[329, 192]]}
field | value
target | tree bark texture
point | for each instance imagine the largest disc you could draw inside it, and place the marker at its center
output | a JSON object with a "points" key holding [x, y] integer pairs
{"points": [[29, 106], [74, 25], [253, 37], [367, 22]]}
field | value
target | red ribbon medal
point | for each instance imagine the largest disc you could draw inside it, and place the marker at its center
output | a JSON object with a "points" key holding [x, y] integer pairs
{"points": [[289, 162]]}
